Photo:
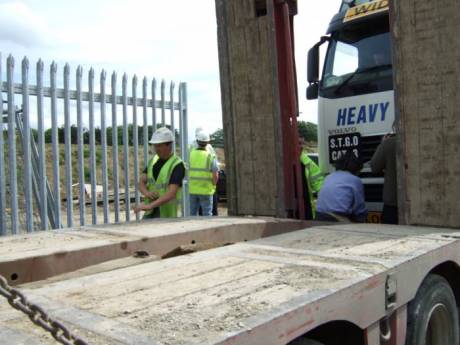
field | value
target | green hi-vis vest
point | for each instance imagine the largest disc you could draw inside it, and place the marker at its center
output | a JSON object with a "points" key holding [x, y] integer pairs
{"points": [[314, 179], [200, 173], [160, 185]]}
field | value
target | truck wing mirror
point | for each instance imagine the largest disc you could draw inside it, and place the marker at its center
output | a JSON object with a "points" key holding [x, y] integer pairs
{"points": [[313, 61], [312, 91], [313, 65], [313, 68]]}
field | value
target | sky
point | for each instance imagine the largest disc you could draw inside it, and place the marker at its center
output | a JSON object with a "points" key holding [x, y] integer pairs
{"points": [[175, 40]]}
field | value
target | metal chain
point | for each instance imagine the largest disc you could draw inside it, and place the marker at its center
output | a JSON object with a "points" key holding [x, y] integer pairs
{"points": [[37, 315]]}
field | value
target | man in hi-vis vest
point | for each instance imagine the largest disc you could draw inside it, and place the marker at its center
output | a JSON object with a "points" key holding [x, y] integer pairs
{"points": [[161, 181], [312, 180], [203, 176]]}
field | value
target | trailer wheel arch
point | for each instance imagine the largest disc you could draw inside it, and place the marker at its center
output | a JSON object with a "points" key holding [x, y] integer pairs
{"points": [[432, 312], [304, 341], [450, 271], [332, 333]]}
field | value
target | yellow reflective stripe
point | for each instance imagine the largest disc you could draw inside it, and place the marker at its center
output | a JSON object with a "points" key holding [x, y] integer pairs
{"points": [[313, 178]]}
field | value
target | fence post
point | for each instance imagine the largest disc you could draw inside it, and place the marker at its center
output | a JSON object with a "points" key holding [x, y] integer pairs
{"points": [[116, 182], [163, 103], [136, 145], [184, 148], [81, 160], [41, 149], [171, 102], [145, 128], [92, 143], [2, 162], [124, 85], [68, 152], [55, 144], [12, 145], [154, 104], [27, 147], [105, 183]]}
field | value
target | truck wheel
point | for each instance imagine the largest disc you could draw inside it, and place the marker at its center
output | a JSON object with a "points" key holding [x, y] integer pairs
{"points": [[304, 341], [432, 317]]}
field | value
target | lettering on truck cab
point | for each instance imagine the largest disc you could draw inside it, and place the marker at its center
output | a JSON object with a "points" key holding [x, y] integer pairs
{"points": [[363, 114], [366, 9]]}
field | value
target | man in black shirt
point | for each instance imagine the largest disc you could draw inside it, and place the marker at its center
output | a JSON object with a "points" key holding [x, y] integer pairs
{"points": [[162, 179]]}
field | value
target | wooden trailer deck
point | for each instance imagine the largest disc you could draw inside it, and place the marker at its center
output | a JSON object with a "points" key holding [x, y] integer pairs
{"points": [[266, 291]]}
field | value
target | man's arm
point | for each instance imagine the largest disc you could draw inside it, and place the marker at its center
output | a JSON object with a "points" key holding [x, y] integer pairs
{"points": [[316, 177], [168, 196], [378, 159], [359, 204], [215, 171], [215, 177], [143, 188]]}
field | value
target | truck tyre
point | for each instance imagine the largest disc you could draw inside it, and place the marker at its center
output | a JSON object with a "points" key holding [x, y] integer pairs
{"points": [[304, 341], [432, 317]]}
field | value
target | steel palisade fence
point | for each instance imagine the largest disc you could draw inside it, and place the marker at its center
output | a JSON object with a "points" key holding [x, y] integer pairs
{"points": [[17, 119]]}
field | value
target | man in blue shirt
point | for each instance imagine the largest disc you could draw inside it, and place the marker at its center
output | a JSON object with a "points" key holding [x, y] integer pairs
{"points": [[341, 197]]}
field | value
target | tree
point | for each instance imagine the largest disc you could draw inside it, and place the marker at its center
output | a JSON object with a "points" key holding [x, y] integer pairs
{"points": [[48, 135], [308, 131], [217, 138], [34, 134]]}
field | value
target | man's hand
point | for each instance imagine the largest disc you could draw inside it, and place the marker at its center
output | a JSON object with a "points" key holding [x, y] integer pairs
{"points": [[152, 195], [386, 136], [141, 207]]}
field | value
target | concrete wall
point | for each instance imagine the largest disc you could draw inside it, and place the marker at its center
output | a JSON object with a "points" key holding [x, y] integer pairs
{"points": [[250, 106], [427, 82]]}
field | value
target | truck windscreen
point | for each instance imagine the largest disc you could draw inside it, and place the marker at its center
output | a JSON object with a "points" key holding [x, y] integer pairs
{"points": [[358, 61]]}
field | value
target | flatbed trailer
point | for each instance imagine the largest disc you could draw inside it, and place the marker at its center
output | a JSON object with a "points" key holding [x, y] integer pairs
{"points": [[338, 284]]}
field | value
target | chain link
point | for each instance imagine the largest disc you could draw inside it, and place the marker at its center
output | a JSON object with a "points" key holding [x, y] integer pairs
{"points": [[37, 315]]}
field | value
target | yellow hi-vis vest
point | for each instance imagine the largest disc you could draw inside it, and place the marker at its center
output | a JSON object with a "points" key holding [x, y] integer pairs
{"points": [[200, 173], [314, 179], [160, 185]]}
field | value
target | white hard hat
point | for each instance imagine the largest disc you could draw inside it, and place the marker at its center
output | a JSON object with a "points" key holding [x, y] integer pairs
{"points": [[162, 135], [202, 136]]}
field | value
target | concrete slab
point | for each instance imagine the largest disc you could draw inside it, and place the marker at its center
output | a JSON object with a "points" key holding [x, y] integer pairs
{"points": [[37, 256], [267, 291]]}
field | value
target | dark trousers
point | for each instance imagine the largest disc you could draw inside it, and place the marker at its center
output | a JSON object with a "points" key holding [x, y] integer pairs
{"points": [[325, 217], [330, 218], [215, 203], [389, 214]]}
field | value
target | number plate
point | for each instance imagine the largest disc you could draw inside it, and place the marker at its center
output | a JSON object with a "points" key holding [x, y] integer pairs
{"points": [[374, 217], [339, 144]]}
